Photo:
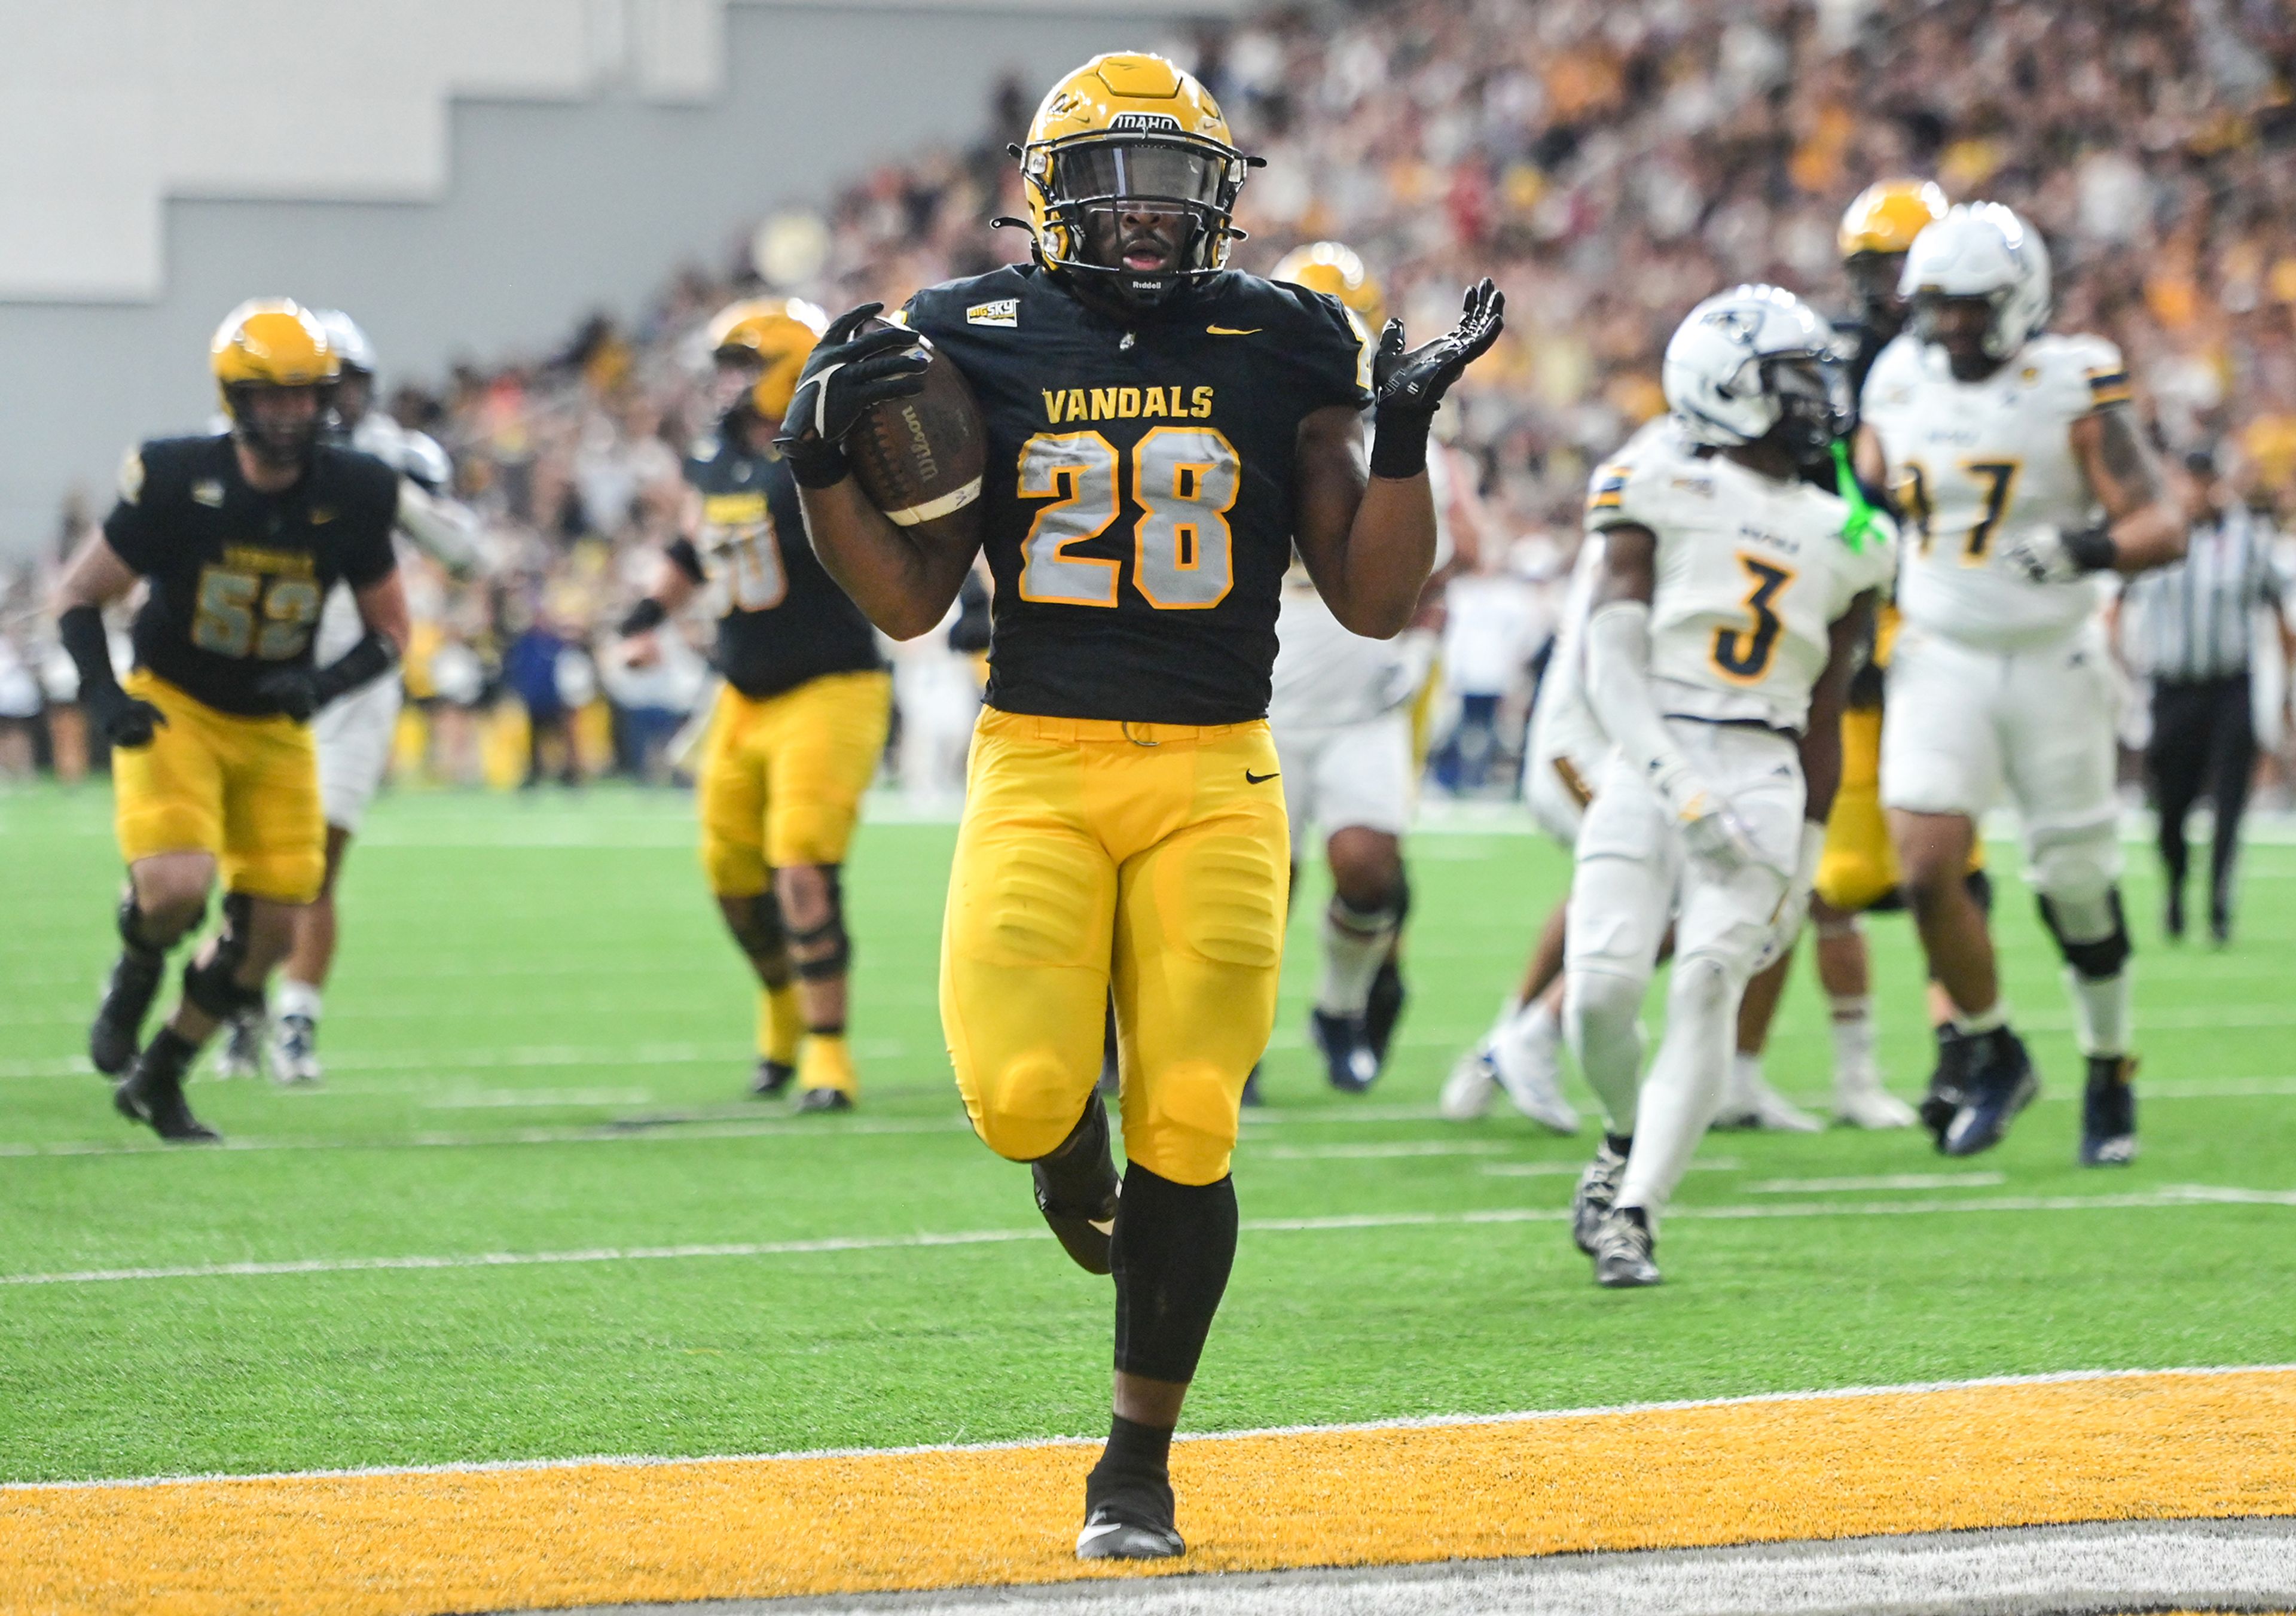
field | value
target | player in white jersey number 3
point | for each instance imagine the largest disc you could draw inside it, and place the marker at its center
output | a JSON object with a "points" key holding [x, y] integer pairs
{"points": [[1735, 595], [2023, 474]]}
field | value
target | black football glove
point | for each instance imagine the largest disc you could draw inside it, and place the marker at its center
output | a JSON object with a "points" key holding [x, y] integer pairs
{"points": [[293, 690], [1408, 386], [127, 722], [844, 376]]}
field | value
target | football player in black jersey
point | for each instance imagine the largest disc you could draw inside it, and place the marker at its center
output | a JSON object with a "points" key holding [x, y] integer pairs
{"points": [[1162, 431], [240, 536], [800, 725]]}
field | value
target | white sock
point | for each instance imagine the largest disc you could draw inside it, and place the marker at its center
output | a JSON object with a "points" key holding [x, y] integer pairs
{"points": [[292, 997], [1743, 1082], [1988, 1020], [1853, 1038], [1685, 1084], [1602, 1018], [1354, 945], [2101, 1012]]}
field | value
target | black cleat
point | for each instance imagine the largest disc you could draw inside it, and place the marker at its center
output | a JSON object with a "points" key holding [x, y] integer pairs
{"points": [[813, 1101], [118, 1029], [2002, 1082], [1598, 1187], [1384, 1008], [152, 1093], [1623, 1245], [2109, 1112], [771, 1078], [1130, 1521], [1944, 1097], [1077, 1190], [1349, 1061]]}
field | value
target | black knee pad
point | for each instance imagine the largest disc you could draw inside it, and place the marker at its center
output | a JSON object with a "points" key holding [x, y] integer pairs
{"points": [[130, 920], [757, 927], [207, 982], [2100, 959], [1174, 1246], [826, 950], [1401, 902]]}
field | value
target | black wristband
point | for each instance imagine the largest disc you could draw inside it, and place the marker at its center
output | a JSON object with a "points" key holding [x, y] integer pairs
{"points": [[1398, 442], [648, 614], [815, 463], [362, 664], [2092, 549], [80, 629]]}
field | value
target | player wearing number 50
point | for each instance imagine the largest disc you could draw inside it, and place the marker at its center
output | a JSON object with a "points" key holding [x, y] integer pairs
{"points": [[239, 537], [1161, 431], [801, 722]]}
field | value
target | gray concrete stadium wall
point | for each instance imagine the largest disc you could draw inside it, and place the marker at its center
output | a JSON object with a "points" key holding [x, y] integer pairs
{"points": [[552, 209]]}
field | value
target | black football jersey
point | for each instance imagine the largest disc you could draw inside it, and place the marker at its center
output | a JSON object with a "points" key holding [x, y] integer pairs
{"points": [[786, 620], [236, 576], [1137, 503]]}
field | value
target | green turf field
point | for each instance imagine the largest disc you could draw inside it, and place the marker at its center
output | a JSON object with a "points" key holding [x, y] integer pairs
{"points": [[537, 1045]]}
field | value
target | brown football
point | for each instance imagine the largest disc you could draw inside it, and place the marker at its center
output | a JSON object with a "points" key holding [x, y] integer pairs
{"points": [[919, 458]]}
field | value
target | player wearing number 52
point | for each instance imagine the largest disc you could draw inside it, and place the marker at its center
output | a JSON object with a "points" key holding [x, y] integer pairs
{"points": [[1160, 433], [799, 723], [240, 536]]}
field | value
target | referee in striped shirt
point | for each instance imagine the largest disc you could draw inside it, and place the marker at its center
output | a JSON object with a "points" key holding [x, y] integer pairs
{"points": [[2190, 629]]}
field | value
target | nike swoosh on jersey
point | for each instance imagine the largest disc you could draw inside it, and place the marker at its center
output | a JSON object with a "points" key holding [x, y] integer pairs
{"points": [[1251, 779], [1234, 331]]}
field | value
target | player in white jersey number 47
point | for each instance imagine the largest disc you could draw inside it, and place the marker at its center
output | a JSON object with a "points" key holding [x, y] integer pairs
{"points": [[1733, 596], [2023, 473]]}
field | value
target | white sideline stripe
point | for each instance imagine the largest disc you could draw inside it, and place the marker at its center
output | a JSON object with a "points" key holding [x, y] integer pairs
{"points": [[2168, 1195], [1572, 1169], [1425, 1422], [1879, 1181]]}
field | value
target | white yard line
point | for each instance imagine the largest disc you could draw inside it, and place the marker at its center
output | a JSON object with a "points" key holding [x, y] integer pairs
{"points": [[2170, 1197], [1880, 1181]]}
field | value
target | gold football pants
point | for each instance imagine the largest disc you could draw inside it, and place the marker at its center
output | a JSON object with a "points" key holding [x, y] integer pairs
{"points": [[781, 777], [1148, 858], [245, 789]]}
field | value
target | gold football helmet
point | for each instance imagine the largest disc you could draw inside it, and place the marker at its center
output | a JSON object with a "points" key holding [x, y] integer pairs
{"points": [[1877, 231], [272, 342], [1327, 266], [1131, 131], [771, 336]]}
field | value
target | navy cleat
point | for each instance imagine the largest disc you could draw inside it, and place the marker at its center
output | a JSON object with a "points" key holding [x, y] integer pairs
{"points": [[1077, 1190], [118, 1029], [1598, 1187], [771, 1078], [1349, 1061], [2002, 1082], [1623, 1245], [2109, 1112], [1944, 1097]]}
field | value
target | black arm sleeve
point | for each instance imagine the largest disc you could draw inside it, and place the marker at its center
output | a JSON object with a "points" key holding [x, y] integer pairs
{"points": [[362, 664], [686, 559], [81, 631], [648, 614]]}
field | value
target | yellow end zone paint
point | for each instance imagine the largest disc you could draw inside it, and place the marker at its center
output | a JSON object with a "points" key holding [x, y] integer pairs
{"points": [[2137, 1446]]}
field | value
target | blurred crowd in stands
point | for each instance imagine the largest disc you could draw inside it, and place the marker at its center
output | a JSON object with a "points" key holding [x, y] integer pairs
{"points": [[1609, 161]]}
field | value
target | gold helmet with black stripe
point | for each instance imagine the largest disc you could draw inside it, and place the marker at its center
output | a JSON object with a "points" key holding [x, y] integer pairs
{"points": [[273, 345], [1131, 136], [1877, 231], [758, 346], [1331, 267]]}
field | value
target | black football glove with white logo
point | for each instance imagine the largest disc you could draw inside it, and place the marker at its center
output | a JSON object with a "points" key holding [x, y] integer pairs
{"points": [[1407, 387], [844, 376]]}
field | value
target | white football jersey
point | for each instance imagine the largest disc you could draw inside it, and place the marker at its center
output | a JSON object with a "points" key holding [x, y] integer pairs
{"points": [[1977, 462], [1752, 574], [1325, 675], [410, 454], [1563, 723]]}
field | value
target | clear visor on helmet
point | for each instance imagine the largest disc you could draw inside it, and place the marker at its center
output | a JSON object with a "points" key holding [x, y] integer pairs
{"points": [[1932, 307], [1135, 171]]}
